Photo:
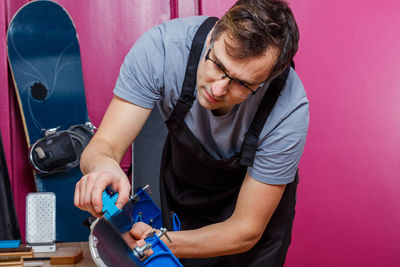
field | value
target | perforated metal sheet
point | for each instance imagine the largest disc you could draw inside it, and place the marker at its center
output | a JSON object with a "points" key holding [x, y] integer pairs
{"points": [[41, 218]]}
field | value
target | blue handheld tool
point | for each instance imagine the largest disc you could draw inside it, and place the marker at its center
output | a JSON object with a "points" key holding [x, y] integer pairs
{"points": [[140, 207], [106, 242], [120, 218], [146, 210], [161, 256]]}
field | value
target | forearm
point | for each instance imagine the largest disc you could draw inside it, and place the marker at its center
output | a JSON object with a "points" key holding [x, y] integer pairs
{"points": [[230, 237], [100, 159], [101, 168], [255, 205], [98, 154], [118, 129]]}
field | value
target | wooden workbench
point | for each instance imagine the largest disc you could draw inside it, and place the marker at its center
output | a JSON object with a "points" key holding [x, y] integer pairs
{"points": [[87, 260]]}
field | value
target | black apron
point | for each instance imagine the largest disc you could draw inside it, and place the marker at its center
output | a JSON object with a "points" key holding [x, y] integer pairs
{"points": [[203, 191]]}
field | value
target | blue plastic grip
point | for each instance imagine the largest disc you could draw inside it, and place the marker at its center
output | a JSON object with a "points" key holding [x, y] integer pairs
{"points": [[176, 223], [161, 256], [10, 243], [145, 210], [120, 218], [109, 208]]}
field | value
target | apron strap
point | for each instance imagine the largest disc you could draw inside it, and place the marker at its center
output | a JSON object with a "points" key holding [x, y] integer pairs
{"points": [[187, 97], [250, 142]]}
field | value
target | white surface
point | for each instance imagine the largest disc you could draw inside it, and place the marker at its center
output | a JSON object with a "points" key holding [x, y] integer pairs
{"points": [[41, 219]]}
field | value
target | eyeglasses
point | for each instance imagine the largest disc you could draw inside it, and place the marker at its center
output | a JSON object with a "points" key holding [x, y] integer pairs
{"points": [[237, 87]]}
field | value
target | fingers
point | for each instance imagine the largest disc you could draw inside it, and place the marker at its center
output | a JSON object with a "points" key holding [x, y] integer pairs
{"points": [[132, 243], [124, 191], [89, 190], [140, 230], [149, 251], [129, 240], [100, 182], [135, 237], [76, 195], [82, 197]]}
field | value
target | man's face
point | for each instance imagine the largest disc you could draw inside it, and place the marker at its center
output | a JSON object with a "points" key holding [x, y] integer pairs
{"points": [[217, 92]]}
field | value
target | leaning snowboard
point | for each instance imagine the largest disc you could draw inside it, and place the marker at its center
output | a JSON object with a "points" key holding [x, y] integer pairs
{"points": [[44, 57]]}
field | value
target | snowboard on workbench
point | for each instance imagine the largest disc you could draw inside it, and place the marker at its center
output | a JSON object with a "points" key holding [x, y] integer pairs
{"points": [[44, 57]]}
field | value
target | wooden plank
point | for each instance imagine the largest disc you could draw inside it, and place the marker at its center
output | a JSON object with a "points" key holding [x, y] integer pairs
{"points": [[70, 249]]}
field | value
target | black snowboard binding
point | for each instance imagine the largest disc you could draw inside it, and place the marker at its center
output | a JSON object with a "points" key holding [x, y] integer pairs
{"points": [[60, 150]]}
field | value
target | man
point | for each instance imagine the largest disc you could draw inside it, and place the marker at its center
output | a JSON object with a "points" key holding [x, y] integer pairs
{"points": [[237, 116]]}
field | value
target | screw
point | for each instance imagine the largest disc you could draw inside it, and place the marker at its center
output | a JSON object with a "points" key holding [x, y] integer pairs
{"points": [[139, 251], [163, 231]]}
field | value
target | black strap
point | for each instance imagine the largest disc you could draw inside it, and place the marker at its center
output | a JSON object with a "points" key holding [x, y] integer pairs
{"points": [[251, 138], [60, 151], [187, 97], [9, 226]]}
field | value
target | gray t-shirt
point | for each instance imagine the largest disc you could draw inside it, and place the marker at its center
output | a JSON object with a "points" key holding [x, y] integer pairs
{"points": [[153, 73]]}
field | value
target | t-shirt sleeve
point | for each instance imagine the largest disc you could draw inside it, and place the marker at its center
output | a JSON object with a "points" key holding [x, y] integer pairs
{"points": [[278, 153], [140, 80]]}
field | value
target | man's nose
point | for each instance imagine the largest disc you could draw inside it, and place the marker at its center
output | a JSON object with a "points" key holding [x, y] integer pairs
{"points": [[220, 87]]}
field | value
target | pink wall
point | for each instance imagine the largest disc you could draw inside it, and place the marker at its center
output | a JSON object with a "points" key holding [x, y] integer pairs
{"points": [[4, 92], [348, 209]]}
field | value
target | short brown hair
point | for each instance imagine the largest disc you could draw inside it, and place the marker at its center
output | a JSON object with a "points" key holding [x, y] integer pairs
{"points": [[257, 25]]}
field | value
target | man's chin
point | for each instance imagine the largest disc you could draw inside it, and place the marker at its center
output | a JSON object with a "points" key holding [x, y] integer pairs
{"points": [[202, 99], [205, 104]]}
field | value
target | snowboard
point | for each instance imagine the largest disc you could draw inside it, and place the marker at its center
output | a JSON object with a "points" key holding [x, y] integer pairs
{"points": [[44, 58]]}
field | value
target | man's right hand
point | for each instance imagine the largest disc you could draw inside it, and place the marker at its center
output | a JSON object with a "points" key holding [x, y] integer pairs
{"points": [[101, 158], [89, 189]]}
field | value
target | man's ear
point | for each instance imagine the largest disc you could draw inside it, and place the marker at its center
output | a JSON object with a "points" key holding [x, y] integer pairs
{"points": [[208, 40]]}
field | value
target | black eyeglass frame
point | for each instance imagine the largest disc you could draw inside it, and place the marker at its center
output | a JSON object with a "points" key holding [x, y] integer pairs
{"points": [[226, 75]]}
